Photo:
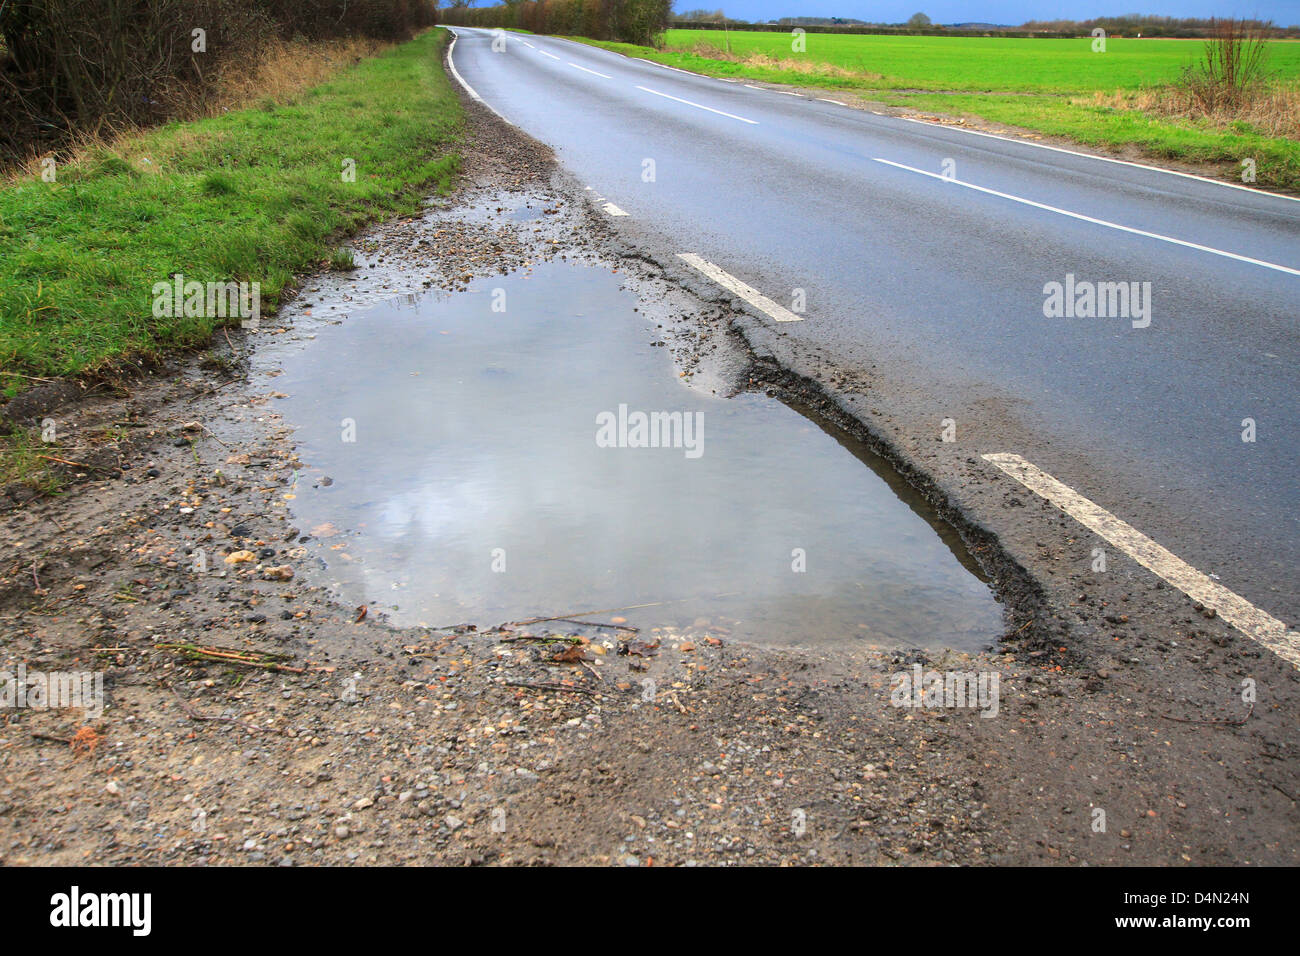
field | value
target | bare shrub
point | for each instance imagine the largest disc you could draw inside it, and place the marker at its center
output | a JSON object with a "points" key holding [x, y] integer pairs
{"points": [[1232, 66]]}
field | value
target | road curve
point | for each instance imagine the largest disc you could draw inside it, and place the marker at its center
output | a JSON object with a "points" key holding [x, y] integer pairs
{"points": [[924, 252]]}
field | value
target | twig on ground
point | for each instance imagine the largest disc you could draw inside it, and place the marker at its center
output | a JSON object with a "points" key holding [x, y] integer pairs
{"points": [[1209, 723], [555, 687]]}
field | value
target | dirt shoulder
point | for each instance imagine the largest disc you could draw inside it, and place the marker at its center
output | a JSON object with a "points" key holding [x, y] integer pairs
{"points": [[252, 719]]}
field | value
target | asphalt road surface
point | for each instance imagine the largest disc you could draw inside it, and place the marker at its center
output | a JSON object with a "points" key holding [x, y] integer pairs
{"points": [[924, 252]]}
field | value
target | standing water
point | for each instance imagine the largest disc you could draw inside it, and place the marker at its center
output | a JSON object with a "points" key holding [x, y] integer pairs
{"points": [[489, 457]]}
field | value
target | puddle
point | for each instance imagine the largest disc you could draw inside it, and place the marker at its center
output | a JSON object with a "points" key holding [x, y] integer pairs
{"points": [[455, 474]]}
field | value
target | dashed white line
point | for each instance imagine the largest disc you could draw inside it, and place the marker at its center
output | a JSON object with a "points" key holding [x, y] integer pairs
{"points": [[1104, 159], [699, 106], [1258, 625], [729, 282], [823, 99], [788, 93], [1099, 222], [613, 210], [544, 53], [585, 70]]}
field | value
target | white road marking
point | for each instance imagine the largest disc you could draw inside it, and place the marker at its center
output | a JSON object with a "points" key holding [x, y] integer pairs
{"points": [[451, 52], [787, 93], [836, 102], [544, 53], [614, 210], [1100, 222], [1258, 625], [1104, 159], [751, 86], [729, 282], [699, 106], [664, 65], [585, 70]]}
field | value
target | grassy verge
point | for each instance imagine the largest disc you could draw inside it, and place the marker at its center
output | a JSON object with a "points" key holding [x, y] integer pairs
{"points": [[254, 195], [1054, 87]]}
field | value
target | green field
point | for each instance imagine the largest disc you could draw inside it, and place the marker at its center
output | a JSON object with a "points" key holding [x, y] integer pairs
{"points": [[984, 64], [255, 195], [1047, 86]]}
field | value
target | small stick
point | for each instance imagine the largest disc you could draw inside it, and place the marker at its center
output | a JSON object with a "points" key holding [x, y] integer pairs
{"points": [[192, 714], [78, 464], [574, 620], [1210, 723], [556, 687]]}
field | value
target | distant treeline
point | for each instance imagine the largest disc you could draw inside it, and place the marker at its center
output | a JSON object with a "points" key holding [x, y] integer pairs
{"points": [[632, 21], [1130, 25], [85, 65]]}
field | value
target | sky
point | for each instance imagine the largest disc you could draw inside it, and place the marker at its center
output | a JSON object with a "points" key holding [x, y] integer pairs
{"points": [[1284, 12]]}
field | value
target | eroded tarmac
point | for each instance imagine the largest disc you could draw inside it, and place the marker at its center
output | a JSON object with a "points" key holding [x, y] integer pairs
{"points": [[489, 456]]}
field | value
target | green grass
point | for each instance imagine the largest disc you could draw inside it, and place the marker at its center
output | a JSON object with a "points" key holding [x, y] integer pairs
{"points": [[985, 64], [1048, 86], [255, 195]]}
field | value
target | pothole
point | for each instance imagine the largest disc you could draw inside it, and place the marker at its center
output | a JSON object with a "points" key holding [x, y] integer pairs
{"points": [[528, 448]]}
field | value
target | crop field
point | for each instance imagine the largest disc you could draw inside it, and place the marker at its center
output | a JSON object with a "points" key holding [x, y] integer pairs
{"points": [[981, 64]]}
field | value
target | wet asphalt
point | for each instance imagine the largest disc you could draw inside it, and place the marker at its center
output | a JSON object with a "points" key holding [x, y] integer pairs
{"points": [[937, 288]]}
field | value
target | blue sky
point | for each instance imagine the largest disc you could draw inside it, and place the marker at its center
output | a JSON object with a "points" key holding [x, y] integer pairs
{"points": [[1285, 12]]}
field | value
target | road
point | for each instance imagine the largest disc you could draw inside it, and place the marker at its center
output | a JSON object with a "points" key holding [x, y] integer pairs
{"points": [[924, 252]]}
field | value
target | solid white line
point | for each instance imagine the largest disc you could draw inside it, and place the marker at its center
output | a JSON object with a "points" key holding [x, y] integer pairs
{"points": [[544, 53], [1104, 159], [614, 210], [699, 106], [665, 66], [1095, 221], [1258, 625], [585, 70], [451, 52], [732, 284]]}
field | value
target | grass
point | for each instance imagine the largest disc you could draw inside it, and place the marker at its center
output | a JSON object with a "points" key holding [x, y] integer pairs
{"points": [[983, 64], [253, 195], [1055, 87]]}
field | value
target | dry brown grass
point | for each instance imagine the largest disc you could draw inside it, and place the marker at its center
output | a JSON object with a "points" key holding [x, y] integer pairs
{"points": [[763, 61], [282, 71], [285, 69], [1273, 110]]}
